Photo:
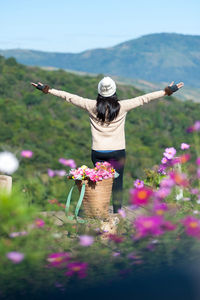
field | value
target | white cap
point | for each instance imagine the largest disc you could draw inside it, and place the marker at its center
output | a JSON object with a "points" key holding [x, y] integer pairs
{"points": [[106, 87]]}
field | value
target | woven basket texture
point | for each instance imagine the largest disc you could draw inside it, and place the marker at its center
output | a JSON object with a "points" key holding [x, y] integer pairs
{"points": [[96, 200]]}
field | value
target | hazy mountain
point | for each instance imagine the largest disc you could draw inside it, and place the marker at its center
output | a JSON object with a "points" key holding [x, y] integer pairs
{"points": [[155, 57]]}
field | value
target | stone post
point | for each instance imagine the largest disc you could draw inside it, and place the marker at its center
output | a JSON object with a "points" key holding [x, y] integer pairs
{"points": [[6, 183]]}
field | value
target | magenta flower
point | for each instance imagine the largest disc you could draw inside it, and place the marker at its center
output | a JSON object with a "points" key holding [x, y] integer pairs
{"points": [[198, 161], [140, 196], [192, 226], [15, 257], [184, 146], [58, 259], [27, 153], [138, 184], [148, 225], [115, 238], [162, 169], [67, 162], [169, 152], [51, 173], [39, 223], [160, 208], [86, 240], [198, 173], [79, 268]]}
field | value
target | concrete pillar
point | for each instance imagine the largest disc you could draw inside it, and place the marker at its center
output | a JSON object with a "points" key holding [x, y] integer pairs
{"points": [[6, 183]]}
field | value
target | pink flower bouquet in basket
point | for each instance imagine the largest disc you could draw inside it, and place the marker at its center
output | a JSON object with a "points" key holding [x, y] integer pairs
{"points": [[95, 187], [102, 170]]}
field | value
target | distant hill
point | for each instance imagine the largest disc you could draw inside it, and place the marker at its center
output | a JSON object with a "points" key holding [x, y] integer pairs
{"points": [[156, 57]]}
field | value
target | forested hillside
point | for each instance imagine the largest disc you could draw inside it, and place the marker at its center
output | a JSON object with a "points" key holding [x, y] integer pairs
{"points": [[52, 128], [154, 57]]}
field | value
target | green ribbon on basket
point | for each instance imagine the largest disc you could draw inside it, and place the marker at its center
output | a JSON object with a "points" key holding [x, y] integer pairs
{"points": [[80, 200]]}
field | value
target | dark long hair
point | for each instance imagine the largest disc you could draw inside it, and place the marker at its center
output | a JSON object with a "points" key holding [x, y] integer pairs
{"points": [[107, 108]]}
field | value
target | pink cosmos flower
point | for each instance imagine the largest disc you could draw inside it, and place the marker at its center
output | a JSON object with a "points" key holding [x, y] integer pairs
{"points": [[58, 259], [78, 268], [194, 191], [67, 162], [179, 178], [140, 196], [168, 226], [86, 240], [148, 225], [39, 223], [184, 146], [122, 213], [116, 254], [27, 153], [15, 257], [160, 208], [16, 234], [196, 126], [192, 226], [138, 184], [198, 173], [162, 193], [164, 160], [51, 173], [167, 182], [169, 152], [60, 173]]}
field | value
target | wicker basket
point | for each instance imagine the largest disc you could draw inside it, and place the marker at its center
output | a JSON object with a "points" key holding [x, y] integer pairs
{"points": [[96, 200]]}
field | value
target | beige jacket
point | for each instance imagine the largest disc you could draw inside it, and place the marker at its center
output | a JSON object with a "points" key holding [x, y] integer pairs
{"points": [[107, 136]]}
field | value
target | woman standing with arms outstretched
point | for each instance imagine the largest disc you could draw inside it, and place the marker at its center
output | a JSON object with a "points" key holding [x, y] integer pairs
{"points": [[107, 119]]}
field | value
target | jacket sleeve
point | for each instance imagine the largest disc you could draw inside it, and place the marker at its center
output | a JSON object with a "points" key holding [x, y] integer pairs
{"points": [[129, 104], [81, 102]]}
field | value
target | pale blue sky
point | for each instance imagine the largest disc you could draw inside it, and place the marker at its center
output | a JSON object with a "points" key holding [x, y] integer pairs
{"points": [[75, 26]]}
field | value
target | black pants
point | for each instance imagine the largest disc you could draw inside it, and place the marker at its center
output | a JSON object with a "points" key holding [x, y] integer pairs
{"points": [[117, 159]]}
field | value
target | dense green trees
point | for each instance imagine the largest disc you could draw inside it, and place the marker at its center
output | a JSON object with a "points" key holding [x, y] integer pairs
{"points": [[52, 128]]}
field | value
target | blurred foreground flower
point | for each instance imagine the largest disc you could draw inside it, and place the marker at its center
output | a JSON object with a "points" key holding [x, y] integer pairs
{"points": [[192, 226], [67, 162], [151, 225], [16, 234], [86, 240], [8, 163], [78, 268], [27, 153], [58, 259], [39, 223], [169, 152], [15, 257], [184, 146], [140, 196], [138, 184]]}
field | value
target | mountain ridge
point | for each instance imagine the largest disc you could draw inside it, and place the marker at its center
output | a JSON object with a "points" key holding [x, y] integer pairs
{"points": [[156, 57]]}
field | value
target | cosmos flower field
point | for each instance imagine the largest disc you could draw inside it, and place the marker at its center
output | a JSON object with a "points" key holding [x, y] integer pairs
{"points": [[39, 257]]}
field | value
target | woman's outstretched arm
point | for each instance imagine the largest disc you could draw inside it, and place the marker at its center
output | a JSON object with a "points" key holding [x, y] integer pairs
{"points": [[81, 102], [129, 104]]}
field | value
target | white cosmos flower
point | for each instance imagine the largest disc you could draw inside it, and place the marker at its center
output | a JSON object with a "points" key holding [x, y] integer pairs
{"points": [[8, 163]]}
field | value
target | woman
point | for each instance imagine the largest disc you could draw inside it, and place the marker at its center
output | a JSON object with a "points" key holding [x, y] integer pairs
{"points": [[107, 119]]}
